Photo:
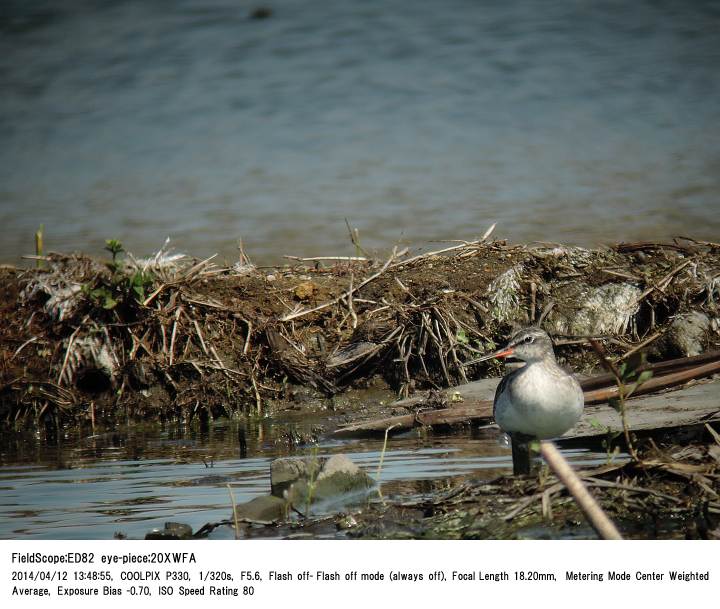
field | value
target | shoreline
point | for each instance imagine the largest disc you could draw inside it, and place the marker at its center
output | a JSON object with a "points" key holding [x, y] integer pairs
{"points": [[101, 341]]}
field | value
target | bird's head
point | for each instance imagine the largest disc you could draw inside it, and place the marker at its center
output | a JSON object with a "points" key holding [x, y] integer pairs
{"points": [[528, 345]]}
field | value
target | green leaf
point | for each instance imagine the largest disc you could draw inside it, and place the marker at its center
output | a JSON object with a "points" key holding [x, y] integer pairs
{"points": [[114, 247], [139, 283], [644, 377], [462, 337], [621, 369], [103, 297]]}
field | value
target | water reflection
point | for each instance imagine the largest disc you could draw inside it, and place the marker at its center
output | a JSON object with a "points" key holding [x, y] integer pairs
{"points": [[130, 482]]}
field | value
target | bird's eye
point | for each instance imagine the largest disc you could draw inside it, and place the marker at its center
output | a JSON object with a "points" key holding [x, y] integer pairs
{"points": [[529, 339]]}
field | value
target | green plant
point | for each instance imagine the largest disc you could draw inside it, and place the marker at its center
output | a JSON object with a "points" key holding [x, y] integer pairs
{"points": [[120, 286], [140, 283], [629, 377], [114, 247], [102, 296]]}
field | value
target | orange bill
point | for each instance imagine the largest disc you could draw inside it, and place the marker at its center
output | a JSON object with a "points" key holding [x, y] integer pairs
{"points": [[504, 352]]}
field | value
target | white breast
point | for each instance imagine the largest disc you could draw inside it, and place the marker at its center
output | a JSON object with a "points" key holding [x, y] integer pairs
{"points": [[539, 401]]}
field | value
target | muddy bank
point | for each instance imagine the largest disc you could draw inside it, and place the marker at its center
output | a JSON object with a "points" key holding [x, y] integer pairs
{"points": [[101, 341]]}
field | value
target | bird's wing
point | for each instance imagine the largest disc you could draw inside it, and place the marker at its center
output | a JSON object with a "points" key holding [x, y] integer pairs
{"points": [[500, 389]]}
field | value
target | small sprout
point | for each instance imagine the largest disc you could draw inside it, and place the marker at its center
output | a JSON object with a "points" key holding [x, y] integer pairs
{"points": [[461, 337], [140, 282], [114, 247], [104, 297]]}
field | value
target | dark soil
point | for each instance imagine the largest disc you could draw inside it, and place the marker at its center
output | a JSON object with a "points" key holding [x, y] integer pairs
{"points": [[198, 342]]}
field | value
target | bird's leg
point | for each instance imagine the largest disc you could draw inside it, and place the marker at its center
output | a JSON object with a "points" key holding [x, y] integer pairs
{"points": [[520, 453]]}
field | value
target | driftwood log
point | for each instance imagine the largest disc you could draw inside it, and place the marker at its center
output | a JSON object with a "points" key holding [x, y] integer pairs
{"points": [[647, 409]]}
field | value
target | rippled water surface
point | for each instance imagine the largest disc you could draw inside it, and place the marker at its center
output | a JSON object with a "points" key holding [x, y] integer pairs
{"points": [[575, 121], [129, 482]]}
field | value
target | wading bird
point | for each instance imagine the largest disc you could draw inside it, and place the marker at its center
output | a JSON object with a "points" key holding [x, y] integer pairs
{"points": [[537, 401]]}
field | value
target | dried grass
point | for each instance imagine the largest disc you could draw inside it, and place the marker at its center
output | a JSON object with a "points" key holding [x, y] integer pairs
{"points": [[232, 338]]}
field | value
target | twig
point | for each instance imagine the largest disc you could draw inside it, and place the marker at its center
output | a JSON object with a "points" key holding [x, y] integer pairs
{"points": [[546, 505], [67, 352], [258, 399], [441, 354], [464, 245], [713, 433], [350, 304], [592, 510], [204, 303], [521, 505], [200, 336], [152, 296], [164, 338], [355, 238], [319, 258], [533, 290], [197, 365], [626, 487], [193, 271], [610, 366], [663, 283], [244, 259], [234, 507], [187, 276], [217, 358], [382, 454], [620, 274], [21, 347], [641, 345], [178, 311], [246, 346], [545, 312]]}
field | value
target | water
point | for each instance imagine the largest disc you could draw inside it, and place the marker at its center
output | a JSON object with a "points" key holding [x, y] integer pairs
{"points": [[131, 481], [573, 121]]}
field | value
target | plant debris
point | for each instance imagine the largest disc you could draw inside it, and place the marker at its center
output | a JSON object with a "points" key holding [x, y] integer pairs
{"points": [[172, 337]]}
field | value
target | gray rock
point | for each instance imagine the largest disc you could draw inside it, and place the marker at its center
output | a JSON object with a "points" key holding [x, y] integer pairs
{"points": [[338, 478], [338, 464], [284, 472], [309, 480], [687, 333], [172, 530], [262, 509], [605, 309]]}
